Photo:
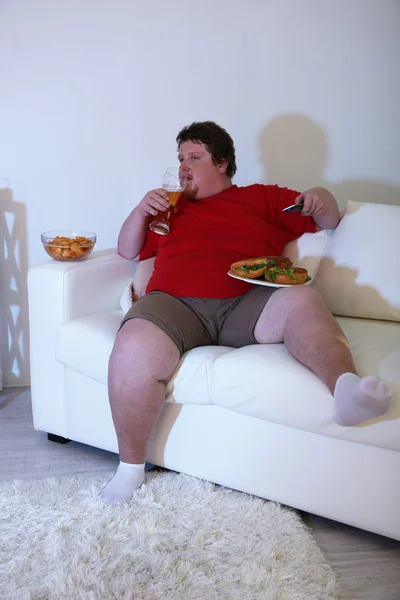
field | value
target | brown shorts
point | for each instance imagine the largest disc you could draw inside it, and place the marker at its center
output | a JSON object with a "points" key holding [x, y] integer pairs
{"points": [[192, 322]]}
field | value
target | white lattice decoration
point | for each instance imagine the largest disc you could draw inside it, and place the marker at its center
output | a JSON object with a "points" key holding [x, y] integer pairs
{"points": [[14, 345]]}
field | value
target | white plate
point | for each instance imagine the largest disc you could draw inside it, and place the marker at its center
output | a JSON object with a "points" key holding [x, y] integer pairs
{"points": [[263, 282]]}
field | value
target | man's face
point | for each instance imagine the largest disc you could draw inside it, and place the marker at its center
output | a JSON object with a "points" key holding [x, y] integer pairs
{"points": [[204, 178]]}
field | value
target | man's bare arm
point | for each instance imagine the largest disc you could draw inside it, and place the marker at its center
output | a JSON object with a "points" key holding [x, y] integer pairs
{"points": [[133, 234], [134, 229]]}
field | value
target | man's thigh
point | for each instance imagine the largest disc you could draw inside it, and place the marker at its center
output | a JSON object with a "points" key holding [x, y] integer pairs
{"points": [[173, 317], [238, 328], [296, 305]]}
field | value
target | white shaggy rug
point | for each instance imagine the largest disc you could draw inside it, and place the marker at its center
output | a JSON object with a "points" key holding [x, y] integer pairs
{"points": [[180, 539]]}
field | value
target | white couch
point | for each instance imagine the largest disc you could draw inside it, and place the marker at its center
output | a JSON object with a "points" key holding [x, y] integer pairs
{"points": [[252, 419]]}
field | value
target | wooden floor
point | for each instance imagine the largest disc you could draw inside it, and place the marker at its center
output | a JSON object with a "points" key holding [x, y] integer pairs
{"points": [[367, 565]]}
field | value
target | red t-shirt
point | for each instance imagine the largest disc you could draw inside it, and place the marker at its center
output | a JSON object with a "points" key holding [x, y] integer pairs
{"points": [[208, 235]]}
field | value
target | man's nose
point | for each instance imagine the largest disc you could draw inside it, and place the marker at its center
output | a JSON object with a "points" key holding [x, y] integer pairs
{"points": [[185, 164], [184, 168]]}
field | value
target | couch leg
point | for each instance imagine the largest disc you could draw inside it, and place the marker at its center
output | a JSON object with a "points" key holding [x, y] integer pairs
{"points": [[52, 437]]}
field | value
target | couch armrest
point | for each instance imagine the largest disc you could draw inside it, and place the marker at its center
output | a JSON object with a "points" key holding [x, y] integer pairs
{"points": [[82, 288], [59, 292]]}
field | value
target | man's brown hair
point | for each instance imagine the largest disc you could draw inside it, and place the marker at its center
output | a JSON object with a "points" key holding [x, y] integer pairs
{"points": [[215, 138]]}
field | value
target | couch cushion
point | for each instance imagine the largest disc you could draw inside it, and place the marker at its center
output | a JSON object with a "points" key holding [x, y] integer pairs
{"points": [[260, 381], [360, 274], [85, 345], [268, 383]]}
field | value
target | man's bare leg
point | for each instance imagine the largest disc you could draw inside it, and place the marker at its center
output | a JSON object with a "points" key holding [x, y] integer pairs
{"points": [[142, 359], [299, 318]]}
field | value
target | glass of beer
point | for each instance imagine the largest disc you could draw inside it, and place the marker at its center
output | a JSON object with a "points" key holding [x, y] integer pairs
{"points": [[174, 183]]}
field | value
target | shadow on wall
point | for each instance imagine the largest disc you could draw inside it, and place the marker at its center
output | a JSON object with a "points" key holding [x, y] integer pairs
{"points": [[13, 289], [294, 151]]}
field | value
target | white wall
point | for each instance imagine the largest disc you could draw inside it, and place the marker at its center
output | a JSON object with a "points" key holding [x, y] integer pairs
{"points": [[93, 93]]}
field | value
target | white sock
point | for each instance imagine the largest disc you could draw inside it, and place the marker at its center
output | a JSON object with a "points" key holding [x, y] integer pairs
{"points": [[357, 400], [127, 479]]}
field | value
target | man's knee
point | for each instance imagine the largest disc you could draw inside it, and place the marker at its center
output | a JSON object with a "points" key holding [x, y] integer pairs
{"points": [[285, 305], [304, 296], [143, 349]]}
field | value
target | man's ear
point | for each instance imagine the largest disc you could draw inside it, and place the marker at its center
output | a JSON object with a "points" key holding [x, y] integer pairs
{"points": [[223, 166]]}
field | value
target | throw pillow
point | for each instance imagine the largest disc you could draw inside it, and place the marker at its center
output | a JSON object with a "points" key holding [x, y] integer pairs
{"points": [[360, 274]]}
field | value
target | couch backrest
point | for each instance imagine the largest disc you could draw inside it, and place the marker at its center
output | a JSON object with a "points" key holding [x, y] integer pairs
{"points": [[359, 274]]}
